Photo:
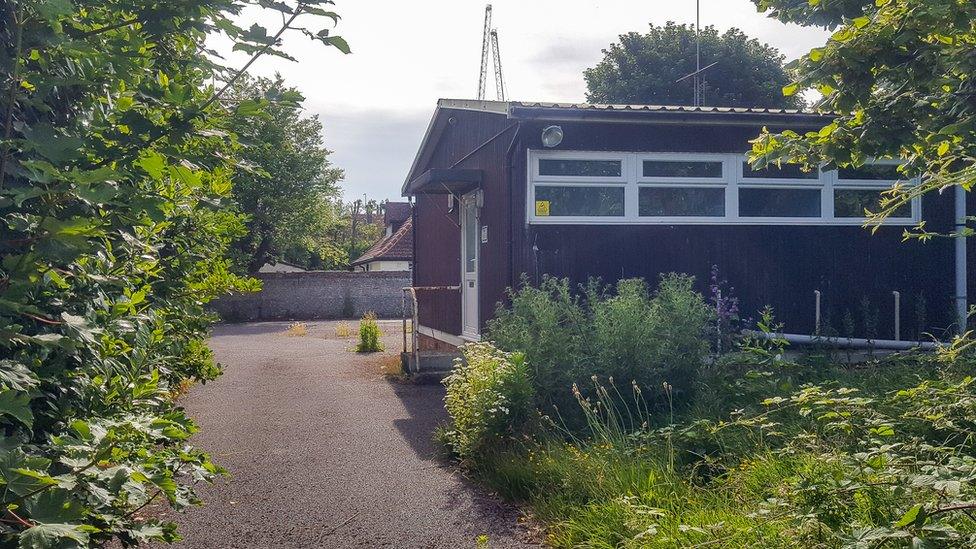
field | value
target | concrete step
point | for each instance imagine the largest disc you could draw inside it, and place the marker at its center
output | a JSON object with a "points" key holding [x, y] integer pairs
{"points": [[433, 364]]}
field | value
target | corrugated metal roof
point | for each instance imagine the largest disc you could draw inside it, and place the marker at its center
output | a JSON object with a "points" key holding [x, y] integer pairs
{"points": [[656, 108], [500, 107], [505, 107]]}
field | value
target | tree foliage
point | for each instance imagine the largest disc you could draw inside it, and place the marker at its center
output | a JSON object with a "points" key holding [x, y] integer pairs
{"points": [[646, 69], [115, 172], [354, 227], [288, 191], [898, 74]]}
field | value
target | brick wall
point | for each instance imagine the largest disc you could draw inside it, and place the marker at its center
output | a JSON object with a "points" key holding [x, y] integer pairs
{"points": [[317, 295]]}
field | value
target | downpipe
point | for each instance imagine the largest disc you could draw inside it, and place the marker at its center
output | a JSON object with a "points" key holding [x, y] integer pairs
{"points": [[962, 276]]}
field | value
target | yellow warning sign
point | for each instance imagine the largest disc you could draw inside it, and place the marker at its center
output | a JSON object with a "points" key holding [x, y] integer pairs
{"points": [[542, 208]]}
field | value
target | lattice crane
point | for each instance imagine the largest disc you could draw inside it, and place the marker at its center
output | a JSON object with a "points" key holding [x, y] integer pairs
{"points": [[489, 39]]}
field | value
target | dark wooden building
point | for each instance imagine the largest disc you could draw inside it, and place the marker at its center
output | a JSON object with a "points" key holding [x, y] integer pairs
{"points": [[502, 189]]}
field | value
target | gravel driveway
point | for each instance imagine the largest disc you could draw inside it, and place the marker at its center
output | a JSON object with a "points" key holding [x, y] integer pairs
{"points": [[323, 451]]}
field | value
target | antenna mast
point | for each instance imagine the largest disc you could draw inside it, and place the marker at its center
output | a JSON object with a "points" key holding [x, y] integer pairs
{"points": [[698, 78], [489, 39], [698, 89], [484, 52], [497, 57]]}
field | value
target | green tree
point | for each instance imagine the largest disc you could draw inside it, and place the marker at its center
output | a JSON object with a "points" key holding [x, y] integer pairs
{"points": [[287, 193], [362, 221], [899, 76], [645, 69], [355, 227], [115, 174]]}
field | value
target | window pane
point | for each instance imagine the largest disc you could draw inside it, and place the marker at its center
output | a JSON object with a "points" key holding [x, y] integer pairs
{"points": [[470, 237], [779, 202], [853, 202], [681, 168], [583, 201], [871, 172], [579, 168], [665, 201], [786, 171]]}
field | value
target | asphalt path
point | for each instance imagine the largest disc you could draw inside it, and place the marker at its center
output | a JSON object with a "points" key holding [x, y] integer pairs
{"points": [[324, 451]]}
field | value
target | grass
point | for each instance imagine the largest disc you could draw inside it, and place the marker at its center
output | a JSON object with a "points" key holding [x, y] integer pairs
{"points": [[614, 487], [602, 496]]}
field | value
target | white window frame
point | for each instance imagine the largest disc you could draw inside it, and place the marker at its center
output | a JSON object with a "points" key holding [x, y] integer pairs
{"points": [[682, 157], [582, 155], [875, 185], [632, 180]]}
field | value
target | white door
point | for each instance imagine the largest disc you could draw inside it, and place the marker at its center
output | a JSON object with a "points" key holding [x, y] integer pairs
{"points": [[469, 266]]}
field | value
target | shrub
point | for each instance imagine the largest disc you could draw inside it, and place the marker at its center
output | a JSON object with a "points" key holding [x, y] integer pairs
{"points": [[489, 397], [369, 334], [622, 332], [549, 326], [651, 340]]}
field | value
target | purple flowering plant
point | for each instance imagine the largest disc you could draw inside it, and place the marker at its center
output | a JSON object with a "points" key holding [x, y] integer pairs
{"points": [[722, 296]]}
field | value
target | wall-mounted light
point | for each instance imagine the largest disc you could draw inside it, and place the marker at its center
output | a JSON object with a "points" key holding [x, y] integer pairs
{"points": [[552, 136]]}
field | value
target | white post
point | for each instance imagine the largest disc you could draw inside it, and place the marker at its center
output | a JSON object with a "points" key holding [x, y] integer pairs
{"points": [[718, 321], [897, 315], [816, 324], [403, 313]]}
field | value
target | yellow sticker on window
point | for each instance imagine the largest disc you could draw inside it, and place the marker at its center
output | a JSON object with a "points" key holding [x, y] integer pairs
{"points": [[542, 208]]}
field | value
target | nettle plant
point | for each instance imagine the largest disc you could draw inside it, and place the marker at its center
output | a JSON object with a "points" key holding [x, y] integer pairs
{"points": [[116, 173], [893, 470]]}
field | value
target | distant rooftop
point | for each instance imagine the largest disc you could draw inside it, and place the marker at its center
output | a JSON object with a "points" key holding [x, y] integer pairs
{"points": [[395, 213], [396, 247], [280, 267]]}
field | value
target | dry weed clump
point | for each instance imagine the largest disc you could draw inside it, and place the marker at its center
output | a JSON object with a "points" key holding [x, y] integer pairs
{"points": [[297, 329], [342, 330]]}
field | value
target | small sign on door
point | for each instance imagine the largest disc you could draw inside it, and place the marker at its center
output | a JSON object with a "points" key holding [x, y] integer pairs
{"points": [[541, 208], [484, 234]]}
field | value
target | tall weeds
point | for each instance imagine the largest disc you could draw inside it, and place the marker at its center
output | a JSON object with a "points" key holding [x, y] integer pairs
{"points": [[369, 334], [625, 332]]}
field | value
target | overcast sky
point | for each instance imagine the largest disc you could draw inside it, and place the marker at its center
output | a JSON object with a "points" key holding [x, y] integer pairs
{"points": [[375, 103]]}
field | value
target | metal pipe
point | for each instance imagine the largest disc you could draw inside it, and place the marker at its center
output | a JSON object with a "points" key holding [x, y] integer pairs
{"points": [[962, 300], [847, 342], [816, 322], [897, 315], [483, 145]]}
